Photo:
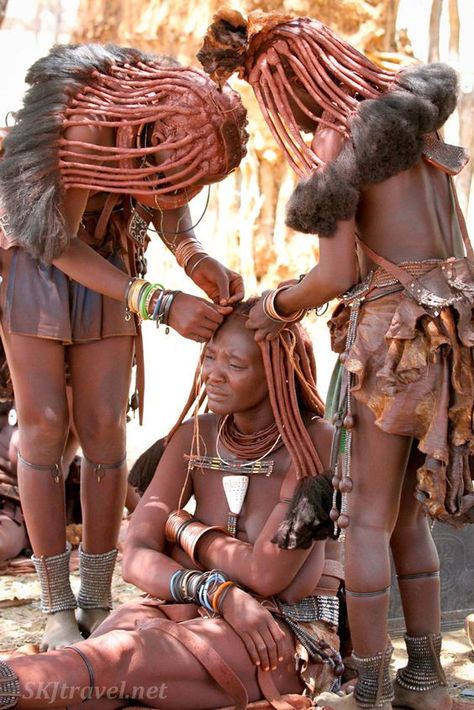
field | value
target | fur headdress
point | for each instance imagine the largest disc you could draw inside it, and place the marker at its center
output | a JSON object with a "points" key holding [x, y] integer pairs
{"points": [[386, 137]]}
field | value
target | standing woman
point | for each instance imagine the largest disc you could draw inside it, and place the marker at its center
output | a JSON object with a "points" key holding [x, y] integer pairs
{"points": [[108, 140], [376, 188]]}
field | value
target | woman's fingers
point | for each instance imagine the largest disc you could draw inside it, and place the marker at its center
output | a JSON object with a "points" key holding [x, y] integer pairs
{"points": [[263, 651], [279, 638], [271, 649], [251, 647]]}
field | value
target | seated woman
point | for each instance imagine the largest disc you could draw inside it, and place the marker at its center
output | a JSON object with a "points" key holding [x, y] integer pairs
{"points": [[229, 616]]}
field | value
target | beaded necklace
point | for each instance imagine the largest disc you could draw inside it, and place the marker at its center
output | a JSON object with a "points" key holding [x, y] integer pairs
{"points": [[244, 446]]}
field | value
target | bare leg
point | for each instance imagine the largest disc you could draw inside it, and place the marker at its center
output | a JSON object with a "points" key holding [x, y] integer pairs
{"points": [[378, 466], [100, 374], [148, 666], [417, 564], [37, 368], [13, 537]]}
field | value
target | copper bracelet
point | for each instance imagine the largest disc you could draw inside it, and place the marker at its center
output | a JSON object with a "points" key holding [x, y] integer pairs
{"points": [[192, 534], [271, 312], [174, 522]]}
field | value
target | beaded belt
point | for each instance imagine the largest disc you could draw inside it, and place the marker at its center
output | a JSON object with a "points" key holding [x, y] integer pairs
{"points": [[380, 279], [312, 608]]}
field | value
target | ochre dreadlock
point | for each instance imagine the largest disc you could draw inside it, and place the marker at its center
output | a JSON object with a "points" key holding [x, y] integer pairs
{"points": [[385, 116], [175, 131], [268, 48]]}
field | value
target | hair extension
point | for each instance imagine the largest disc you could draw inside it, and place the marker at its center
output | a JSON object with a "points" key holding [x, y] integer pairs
{"points": [[201, 128], [270, 50], [384, 115]]}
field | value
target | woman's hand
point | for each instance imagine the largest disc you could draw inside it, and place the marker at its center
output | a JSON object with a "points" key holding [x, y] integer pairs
{"points": [[195, 318], [259, 631], [265, 328], [222, 285]]}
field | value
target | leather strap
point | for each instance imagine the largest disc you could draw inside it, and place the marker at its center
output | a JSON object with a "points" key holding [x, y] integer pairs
{"points": [[207, 657], [139, 356], [271, 692], [102, 222], [407, 280], [461, 220]]}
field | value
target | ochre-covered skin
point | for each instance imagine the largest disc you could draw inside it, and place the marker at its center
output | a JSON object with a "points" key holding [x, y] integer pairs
{"points": [[105, 135], [246, 652], [364, 173]]}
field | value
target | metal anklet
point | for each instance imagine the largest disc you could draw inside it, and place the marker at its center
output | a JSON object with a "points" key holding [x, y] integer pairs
{"points": [[53, 574], [100, 469], [54, 468], [424, 671], [374, 687], [90, 670], [419, 575], [376, 593], [96, 579], [9, 686]]}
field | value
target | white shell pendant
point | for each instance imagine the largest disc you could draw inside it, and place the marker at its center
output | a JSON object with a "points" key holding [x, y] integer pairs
{"points": [[235, 489]]}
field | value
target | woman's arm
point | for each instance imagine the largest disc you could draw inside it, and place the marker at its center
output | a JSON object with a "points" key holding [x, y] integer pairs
{"points": [[221, 284], [262, 566], [79, 261], [335, 272], [145, 563]]}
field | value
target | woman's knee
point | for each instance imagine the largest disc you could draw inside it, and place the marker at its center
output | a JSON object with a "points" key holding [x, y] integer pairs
{"points": [[43, 431], [104, 422]]}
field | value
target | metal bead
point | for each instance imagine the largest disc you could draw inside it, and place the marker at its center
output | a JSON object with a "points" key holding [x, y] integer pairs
{"points": [[343, 521], [346, 485], [335, 482], [348, 421], [334, 514]]}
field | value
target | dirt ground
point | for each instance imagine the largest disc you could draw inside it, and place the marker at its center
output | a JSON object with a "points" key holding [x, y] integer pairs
{"points": [[21, 624]]}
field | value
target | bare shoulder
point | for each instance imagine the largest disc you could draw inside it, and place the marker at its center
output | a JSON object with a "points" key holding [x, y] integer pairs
{"points": [[327, 143], [91, 133], [205, 427], [321, 432]]}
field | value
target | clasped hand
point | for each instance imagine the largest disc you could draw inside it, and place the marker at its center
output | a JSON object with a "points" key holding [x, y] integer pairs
{"points": [[259, 631]]}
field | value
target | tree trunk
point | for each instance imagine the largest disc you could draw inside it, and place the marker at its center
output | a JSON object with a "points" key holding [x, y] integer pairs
{"points": [[3, 10], [435, 21]]}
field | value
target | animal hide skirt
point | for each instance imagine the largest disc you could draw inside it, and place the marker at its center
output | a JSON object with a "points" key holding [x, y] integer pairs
{"points": [[414, 370]]}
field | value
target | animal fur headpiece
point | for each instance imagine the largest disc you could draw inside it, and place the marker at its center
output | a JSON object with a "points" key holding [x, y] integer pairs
{"points": [[383, 115], [157, 107]]}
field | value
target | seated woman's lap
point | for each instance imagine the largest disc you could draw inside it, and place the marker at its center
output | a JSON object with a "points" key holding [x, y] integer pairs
{"points": [[161, 660]]}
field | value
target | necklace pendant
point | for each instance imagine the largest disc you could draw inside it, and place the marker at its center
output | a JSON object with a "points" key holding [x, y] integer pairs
{"points": [[235, 489]]}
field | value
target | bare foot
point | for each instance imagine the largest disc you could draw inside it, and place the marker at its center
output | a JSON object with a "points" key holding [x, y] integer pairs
{"points": [[89, 619], [331, 701], [61, 630], [436, 699]]}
